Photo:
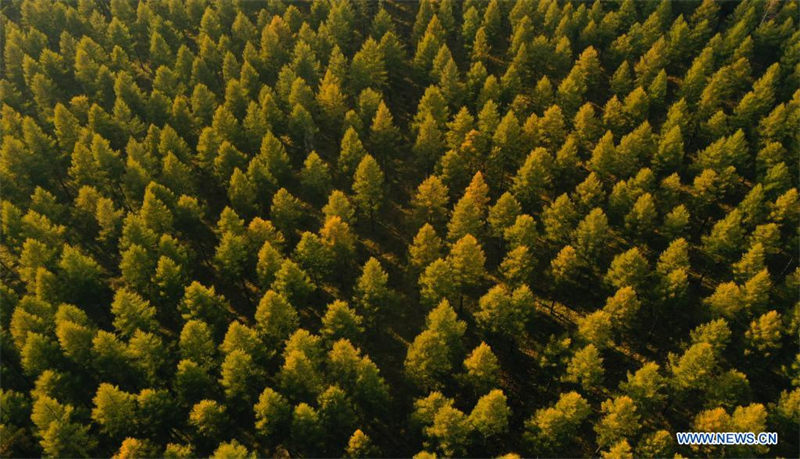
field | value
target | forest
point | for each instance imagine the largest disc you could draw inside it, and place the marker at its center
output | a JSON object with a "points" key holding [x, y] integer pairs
{"points": [[361, 228]]}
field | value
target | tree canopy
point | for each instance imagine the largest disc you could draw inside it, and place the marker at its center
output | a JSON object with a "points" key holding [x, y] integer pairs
{"points": [[426, 228]]}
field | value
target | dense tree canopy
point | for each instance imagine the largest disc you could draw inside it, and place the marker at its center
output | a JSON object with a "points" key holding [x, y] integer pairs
{"points": [[388, 228]]}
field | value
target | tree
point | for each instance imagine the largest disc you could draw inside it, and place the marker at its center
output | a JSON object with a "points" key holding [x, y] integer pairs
{"points": [[628, 269], [314, 255], [490, 415], [299, 377], [450, 430], [559, 219], [645, 387], [694, 369], [186, 184], [764, 334], [292, 282], [230, 449], [591, 235], [59, 433], [620, 420], [622, 307], [467, 218], [585, 367], [315, 177], [341, 322], [372, 290], [208, 418], [517, 266], [482, 368], [383, 135], [232, 257], [339, 206], [306, 430], [428, 360], [239, 375], [273, 413], [430, 202], [113, 410], [555, 427], [286, 211], [275, 317], [368, 187], [467, 260], [268, 264], [197, 343], [503, 311], [368, 388], [351, 153], [132, 312], [340, 242], [469, 211], [336, 413], [425, 248], [360, 445], [596, 328], [436, 282], [504, 213], [202, 303]]}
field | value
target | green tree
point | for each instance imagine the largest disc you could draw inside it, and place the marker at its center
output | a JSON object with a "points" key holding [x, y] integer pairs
{"points": [[273, 414], [450, 430], [341, 322], [372, 290], [490, 415], [368, 187], [585, 368], [467, 260], [383, 134], [360, 445], [482, 368], [275, 317], [503, 213], [339, 206], [306, 430], [555, 427], [425, 248], [286, 211], [620, 420], [197, 343], [203, 303], [315, 177], [292, 282], [646, 386], [208, 418], [113, 410], [59, 433], [428, 360], [351, 153], [533, 178], [239, 375], [505, 312]]}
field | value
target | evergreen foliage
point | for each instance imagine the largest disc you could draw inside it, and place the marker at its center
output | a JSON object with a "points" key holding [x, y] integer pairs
{"points": [[352, 228]]}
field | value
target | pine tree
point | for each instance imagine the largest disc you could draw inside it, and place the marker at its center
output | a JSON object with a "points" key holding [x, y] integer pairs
{"points": [[372, 291], [426, 247], [430, 202], [368, 187], [383, 135], [490, 416], [482, 368], [368, 68], [315, 177], [275, 317]]}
